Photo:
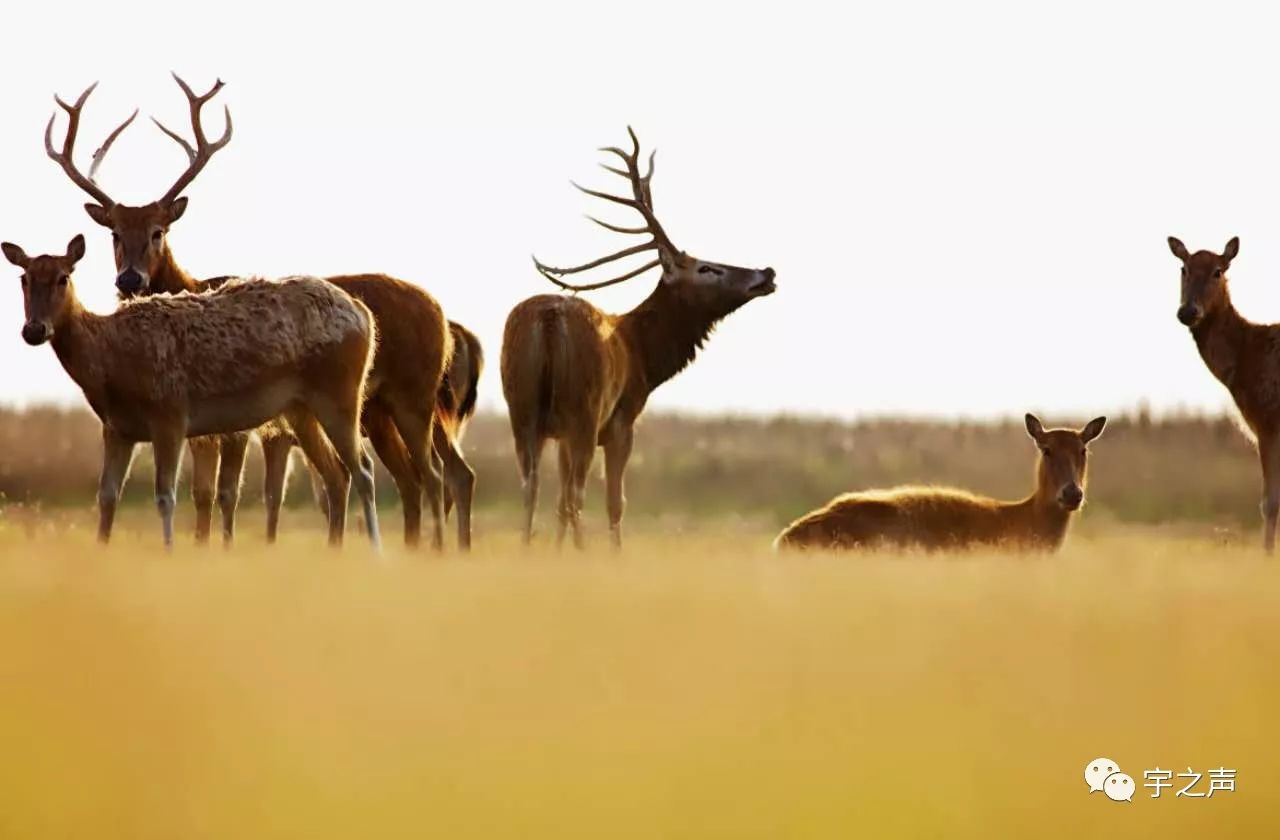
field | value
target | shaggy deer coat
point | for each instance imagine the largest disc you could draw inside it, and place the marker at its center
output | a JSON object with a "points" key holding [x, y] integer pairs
{"points": [[162, 369], [934, 518], [408, 364]]}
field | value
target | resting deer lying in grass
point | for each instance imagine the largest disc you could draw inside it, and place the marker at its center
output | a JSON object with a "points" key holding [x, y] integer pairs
{"points": [[166, 368], [574, 373], [943, 518], [1244, 356], [408, 365]]}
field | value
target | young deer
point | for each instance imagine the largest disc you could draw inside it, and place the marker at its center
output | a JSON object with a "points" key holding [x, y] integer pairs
{"points": [[574, 373], [1244, 356], [408, 365], [165, 368], [943, 518]]}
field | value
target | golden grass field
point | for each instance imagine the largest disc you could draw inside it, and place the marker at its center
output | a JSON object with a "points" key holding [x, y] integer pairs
{"points": [[694, 686]]}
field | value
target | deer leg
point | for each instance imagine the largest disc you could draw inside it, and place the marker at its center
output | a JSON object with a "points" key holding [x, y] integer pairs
{"points": [[230, 475], [275, 478], [460, 487], [204, 477], [166, 444], [320, 455], [1269, 452], [529, 460], [381, 429], [341, 424], [585, 451], [117, 456], [617, 449], [414, 425], [564, 505]]}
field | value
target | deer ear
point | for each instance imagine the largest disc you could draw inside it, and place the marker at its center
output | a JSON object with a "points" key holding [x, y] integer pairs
{"points": [[1179, 250], [15, 255], [75, 248], [1233, 248], [176, 208], [1094, 428], [99, 214], [1034, 427]]}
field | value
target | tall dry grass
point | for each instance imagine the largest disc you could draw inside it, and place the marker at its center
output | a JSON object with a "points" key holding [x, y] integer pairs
{"points": [[694, 687]]}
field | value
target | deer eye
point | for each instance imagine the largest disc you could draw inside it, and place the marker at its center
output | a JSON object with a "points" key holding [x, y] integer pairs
{"points": [[1217, 273], [157, 235], [62, 280], [709, 269], [23, 278], [1044, 450], [115, 238]]}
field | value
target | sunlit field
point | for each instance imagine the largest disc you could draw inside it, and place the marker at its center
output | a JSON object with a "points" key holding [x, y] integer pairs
{"points": [[695, 686]]}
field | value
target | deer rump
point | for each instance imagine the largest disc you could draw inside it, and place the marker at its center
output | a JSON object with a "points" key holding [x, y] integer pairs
{"points": [[238, 356], [560, 388]]}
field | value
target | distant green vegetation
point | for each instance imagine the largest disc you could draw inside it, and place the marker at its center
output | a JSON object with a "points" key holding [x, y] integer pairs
{"points": [[762, 472]]}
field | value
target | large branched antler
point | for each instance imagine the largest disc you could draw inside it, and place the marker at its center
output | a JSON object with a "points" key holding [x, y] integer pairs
{"points": [[199, 155], [65, 157], [642, 202]]}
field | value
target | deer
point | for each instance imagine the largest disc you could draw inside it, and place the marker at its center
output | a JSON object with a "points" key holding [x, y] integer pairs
{"points": [[1242, 355], [455, 406], [166, 368], [581, 376], [409, 359], [943, 518]]}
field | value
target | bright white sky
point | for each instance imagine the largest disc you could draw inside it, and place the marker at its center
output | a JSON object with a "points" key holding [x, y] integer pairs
{"points": [[966, 204]]}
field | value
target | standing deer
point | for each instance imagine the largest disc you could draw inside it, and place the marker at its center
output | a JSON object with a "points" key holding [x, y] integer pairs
{"points": [[574, 373], [942, 518], [165, 368], [143, 261], [1244, 356], [408, 364]]}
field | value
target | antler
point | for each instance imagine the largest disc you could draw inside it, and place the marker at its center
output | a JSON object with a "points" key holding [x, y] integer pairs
{"points": [[203, 150], [65, 157], [642, 202]]}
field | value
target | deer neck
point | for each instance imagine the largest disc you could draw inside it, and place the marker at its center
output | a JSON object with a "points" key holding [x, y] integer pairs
{"points": [[666, 331], [1039, 519], [1221, 338], [169, 277], [75, 343]]}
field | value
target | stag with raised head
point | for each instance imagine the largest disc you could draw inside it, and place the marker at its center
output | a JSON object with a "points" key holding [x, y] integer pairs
{"points": [[933, 518], [1242, 355], [164, 368], [576, 374], [408, 365]]}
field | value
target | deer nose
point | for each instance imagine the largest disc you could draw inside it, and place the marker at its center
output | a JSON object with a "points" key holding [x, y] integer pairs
{"points": [[1189, 314], [35, 332], [769, 274], [1071, 496], [129, 282]]}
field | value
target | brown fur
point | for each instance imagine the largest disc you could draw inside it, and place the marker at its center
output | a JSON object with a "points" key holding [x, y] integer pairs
{"points": [[407, 368], [455, 406], [934, 518], [1242, 355], [574, 373], [161, 369]]}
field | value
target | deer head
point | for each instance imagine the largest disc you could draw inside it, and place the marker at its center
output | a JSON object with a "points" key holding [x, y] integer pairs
{"points": [[138, 233], [46, 288], [1060, 475], [1204, 280], [727, 286]]}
